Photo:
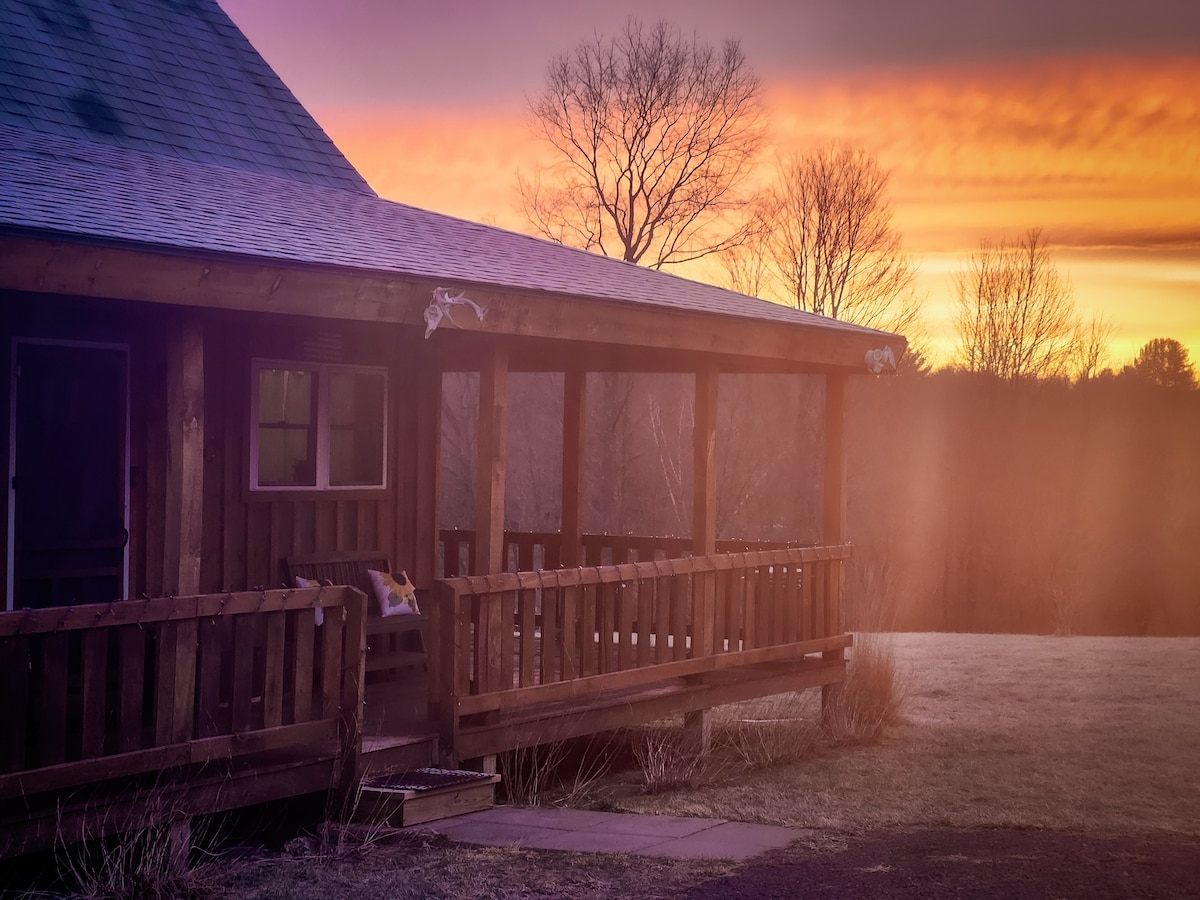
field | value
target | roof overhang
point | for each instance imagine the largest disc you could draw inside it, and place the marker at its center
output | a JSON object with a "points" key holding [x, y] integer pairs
{"points": [[547, 331]]}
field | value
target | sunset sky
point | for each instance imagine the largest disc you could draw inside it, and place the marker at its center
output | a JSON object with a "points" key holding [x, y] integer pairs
{"points": [[1081, 117]]}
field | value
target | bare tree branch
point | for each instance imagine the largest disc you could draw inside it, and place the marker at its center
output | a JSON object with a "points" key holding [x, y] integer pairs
{"points": [[654, 136], [822, 240], [1016, 315]]}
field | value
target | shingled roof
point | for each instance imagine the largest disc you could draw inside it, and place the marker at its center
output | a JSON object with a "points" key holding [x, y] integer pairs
{"points": [[71, 188], [186, 142], [171, 78]]}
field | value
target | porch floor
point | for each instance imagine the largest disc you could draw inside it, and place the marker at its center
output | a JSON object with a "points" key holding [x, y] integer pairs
{"points": [[397, 731]]}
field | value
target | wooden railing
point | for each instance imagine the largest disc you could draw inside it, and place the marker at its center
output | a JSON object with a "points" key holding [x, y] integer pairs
{"points": [[528, 551], [110, 691], [515, 642]]}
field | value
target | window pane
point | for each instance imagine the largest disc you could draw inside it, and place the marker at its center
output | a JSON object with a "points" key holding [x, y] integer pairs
{"points": [[287, 445], [356, 436], [285, 397], [286, 456]]}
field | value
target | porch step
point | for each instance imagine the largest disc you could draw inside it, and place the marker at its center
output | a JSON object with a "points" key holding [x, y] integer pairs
{"points": [[423, 795], [393, 753]]}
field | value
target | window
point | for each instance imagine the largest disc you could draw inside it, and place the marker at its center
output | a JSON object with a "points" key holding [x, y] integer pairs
{"points": [[317, 427]]}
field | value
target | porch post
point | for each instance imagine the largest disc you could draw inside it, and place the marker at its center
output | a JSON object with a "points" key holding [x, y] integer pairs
{"points": [[704, 479], [489, 490], [835, 394], [429, 470], [698, 723], [184, 500], [832, 525], [574, 416]]}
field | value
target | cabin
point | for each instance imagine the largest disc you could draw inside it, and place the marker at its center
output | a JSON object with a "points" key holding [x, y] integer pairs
{"points": [[225, 352]]}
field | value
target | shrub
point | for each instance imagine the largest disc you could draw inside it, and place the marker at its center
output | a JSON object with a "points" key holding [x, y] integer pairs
{"points": [[871, 697]]}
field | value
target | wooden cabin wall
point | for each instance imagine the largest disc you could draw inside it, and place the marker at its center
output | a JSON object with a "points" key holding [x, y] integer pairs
{"points": [[247, 535]]}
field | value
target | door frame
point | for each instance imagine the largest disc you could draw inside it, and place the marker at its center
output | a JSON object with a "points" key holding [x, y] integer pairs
{"points": [[12, 453]]}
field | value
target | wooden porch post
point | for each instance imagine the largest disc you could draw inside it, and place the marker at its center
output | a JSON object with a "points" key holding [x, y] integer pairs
{"points": [[184, 500], [832, 526], [429, 470], [574, 416], [835, 394], [698, 724], [704, 479], [489, 490]]}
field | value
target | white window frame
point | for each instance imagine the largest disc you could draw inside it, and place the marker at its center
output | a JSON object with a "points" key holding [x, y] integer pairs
{"points": [[323, 372]]}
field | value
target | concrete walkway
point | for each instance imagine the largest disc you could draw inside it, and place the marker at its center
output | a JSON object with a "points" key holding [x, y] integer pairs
{"points": [[604, 832]]}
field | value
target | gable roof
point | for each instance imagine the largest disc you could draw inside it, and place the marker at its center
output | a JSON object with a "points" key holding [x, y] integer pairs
{"points": [[199, 149], [171, 78]]}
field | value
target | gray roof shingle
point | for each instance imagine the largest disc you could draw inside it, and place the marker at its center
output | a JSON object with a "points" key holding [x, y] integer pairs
{"points": [[176, 79], [85, 190]]}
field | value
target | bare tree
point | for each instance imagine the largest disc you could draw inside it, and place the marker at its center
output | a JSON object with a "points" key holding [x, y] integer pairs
{"points": [[1016, 315], [1095, 338], [1165, 362], [654, 135], [831, 243]]}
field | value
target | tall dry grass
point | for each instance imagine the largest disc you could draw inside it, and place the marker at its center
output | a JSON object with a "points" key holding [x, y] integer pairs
{"points": [[870, 700]]}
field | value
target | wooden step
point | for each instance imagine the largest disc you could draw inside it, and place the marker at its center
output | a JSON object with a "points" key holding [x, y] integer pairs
{"points": [[393, 753], [423, 795]]}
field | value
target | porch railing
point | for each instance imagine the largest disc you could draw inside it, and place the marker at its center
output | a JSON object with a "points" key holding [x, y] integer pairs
{"points": [[142, 687], [528, 551], [513, 643]]}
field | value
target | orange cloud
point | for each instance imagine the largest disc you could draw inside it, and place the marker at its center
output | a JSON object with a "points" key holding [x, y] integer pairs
{"points": [[457, 164], [1101, 153]]}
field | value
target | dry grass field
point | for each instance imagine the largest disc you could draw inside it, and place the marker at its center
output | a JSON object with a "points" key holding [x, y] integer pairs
{"points": [[1072, 739], [1097, 735]]}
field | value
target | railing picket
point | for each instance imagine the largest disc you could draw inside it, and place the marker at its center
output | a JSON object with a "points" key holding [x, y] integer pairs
{"points": [[131, 669], [15, 664], [273, 671], [93, 685], [527, 625], [51, 714], [552, 640], [645, 621], [627, 606], [164, 688], [663, 587], [588, 636], [606, 627], [304, 628], [818, 597], [243, 672], [680, 615], [569, 663], [331, 660]]}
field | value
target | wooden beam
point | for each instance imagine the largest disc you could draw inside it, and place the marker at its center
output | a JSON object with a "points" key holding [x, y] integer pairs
{"points": [[835, 393], [184, 521], [428, 439], [704, 472], [574, 419], [704, 507], [489, 488], [210, 280]]}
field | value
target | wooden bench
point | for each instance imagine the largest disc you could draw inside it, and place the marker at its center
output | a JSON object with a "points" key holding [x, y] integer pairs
{"points": [[394, 643]]}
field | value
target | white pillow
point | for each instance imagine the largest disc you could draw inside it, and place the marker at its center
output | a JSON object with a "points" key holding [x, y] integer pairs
{"points": [[395, 593]]}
